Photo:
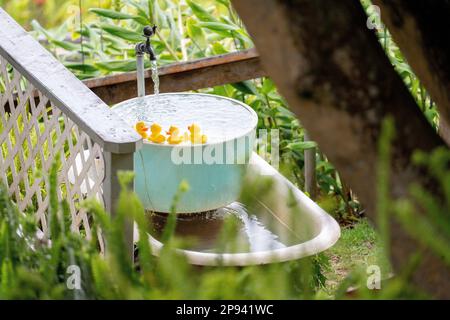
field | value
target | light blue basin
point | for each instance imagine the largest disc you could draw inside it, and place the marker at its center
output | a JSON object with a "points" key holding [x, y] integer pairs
{"points": [[213, 171], [211, 186]]}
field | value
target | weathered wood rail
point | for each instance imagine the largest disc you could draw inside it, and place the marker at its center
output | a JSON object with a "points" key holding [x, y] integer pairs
{"points": [[184, 76]]}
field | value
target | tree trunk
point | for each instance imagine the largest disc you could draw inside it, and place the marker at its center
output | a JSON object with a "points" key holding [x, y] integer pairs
{"points": [[337, 79]]}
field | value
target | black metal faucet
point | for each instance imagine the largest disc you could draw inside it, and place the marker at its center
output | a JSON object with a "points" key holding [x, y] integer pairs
{"points": [[141, 49], [146, 47]]}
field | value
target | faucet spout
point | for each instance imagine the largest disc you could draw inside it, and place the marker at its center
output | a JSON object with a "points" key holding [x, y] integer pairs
{"points": [[146, 47], [143, 48], [149, 50]]}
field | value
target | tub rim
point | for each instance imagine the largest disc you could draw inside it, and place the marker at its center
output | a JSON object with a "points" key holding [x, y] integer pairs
{"points": [[254, 118]]}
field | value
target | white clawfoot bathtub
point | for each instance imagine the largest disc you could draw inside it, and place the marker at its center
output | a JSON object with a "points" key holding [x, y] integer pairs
{"points": [[324, 230]]}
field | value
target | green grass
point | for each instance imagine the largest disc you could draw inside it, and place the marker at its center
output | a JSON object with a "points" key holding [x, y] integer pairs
{"points": [[358, 248]]}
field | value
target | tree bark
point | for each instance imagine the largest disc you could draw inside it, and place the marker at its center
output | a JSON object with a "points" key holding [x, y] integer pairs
{"points": [[421, 30], [337, 79]]}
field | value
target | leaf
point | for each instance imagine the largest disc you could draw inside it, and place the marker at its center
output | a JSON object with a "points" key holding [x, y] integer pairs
{"points": [[158, 15], [218, 48], [112, 14], [301, 145], [113, 41], [224, 2], [36, 26], [69, 46], [285, 112], [200, 13], [246, 87], [195, 32], [117, 65], [141, 20], [268, 86], [237, 32], [123, 33], [61, 32], [326, 182], [140, 6], [86, 67], [218, 26], [243, 36], [175, 36]]}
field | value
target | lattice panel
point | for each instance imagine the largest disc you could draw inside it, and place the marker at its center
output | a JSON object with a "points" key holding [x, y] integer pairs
{"points": [[33, 134]]}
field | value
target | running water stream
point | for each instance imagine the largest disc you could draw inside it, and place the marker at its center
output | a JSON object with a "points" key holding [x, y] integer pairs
{"points": [[155, 76]]}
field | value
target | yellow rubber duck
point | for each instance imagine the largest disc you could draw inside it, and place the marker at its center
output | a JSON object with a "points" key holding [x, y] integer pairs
{"points": [[174, 135], [196, 136], [141, 128], [156, 135]]}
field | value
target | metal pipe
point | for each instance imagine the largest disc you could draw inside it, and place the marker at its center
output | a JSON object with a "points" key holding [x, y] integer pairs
{"points": [[140, 74]]}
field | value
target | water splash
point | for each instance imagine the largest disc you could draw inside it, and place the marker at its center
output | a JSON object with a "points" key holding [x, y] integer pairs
{"points": [[155, 76], [258, 236], [202, 231]]}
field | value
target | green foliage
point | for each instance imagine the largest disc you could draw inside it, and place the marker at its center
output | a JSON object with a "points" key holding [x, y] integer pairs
{"points": [[427, 218], [184, 32], [402, 67], [34, 267], [424, 215], [48, 12]]}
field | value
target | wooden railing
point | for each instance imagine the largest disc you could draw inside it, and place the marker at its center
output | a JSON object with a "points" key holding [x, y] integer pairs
{"points": [[182, 76]]}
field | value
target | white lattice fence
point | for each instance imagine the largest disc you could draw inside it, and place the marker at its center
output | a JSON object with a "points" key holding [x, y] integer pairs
{"points": [[49, 116], [34, 133]]}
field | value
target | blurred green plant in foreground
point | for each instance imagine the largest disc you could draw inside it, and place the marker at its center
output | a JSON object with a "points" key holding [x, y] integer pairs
{"points": [[36, 267], [424, 216]]}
